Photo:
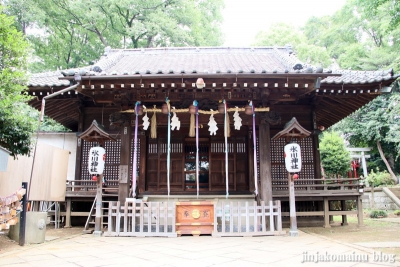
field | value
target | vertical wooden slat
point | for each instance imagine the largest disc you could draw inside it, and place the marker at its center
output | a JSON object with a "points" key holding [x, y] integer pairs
{"points": [[134, 217], [239, 209], [263, 214], [158, 217], [231, 222], [110, 224], [141, 211], [149, 208], [247, 218], [165, 216], [173, 218], [255, 216], [223, 217], [215, 219], [126, 217], [279, 215], [271, 216], [118, 221]]}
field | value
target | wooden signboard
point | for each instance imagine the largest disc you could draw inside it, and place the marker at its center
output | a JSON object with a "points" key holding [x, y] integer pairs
{"points": [[49, 176], [194, 218]]}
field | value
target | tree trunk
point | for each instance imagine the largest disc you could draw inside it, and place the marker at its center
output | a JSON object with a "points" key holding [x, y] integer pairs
{"points": [[378, 144]]}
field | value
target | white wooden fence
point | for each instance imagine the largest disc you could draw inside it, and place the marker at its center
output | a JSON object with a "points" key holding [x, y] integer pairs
{"points": [[158, 219], [141, 219], [248, 219]]}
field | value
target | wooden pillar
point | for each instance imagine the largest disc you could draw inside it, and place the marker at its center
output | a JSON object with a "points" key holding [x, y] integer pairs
{"points": [[344, 217], [317, 158], [360, 211], [99, 205], [79, 148], [68, 213], [251, 159], [124, 179], [326, 213], [292, 205], [264, 148]]}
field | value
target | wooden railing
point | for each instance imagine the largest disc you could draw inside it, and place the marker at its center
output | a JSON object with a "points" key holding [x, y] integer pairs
{"points": [[141, 219], [320, 186], [86, 188], [248, 219]]}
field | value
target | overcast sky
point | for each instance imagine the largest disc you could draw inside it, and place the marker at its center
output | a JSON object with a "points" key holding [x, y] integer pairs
{"points": [[243, 19]]}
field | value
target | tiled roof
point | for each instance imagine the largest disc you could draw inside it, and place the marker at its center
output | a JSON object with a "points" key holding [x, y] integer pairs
{"points": [[196, 60], [47, 79], [359, 77], [207, 60]]}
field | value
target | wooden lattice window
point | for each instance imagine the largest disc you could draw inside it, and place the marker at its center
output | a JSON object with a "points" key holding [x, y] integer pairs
{"points": [[111, 169], [278, 170]]}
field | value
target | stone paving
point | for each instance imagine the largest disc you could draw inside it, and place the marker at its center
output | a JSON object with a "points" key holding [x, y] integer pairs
{"points": [[90, 251]]}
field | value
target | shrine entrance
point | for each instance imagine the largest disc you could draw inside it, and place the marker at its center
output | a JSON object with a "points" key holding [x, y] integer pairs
{"points": [[212, 164]]}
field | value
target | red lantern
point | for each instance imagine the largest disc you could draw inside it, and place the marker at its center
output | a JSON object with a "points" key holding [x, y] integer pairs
{"points": [[94, 178], [295, 176]]}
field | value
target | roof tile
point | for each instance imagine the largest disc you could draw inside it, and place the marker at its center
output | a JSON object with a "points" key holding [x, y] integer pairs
{"points": [[206, 60]]}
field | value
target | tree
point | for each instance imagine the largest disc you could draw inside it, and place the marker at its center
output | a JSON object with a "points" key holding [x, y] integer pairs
{"points": [[372, 8], [74, 33], [371, 125], [281, 34], [15, 126], [334, 156]]}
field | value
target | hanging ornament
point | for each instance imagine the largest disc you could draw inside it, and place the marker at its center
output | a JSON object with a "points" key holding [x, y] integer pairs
{"points": [[135, 143], [192, 111], [192, 108], [139, 110], [175, 123], [227, 124], [153, 129], [248, 110], [164, 108], [237, 119], [254, 148], [226, 128], [146, 122], [197, 147], [221, 107], [167, 103], [212, 125]]}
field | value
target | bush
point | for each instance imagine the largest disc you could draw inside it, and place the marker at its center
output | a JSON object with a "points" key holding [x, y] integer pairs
{"points": [[396, 212], [378, 214], [379, 178]]}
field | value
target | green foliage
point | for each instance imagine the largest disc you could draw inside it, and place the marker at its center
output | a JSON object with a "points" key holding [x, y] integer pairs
{"points": [[379, 178], [396, 212], [16, 126], [74, 33], [376, 123], [279, 34], [334, 156], [373, 7], [378, 214]]}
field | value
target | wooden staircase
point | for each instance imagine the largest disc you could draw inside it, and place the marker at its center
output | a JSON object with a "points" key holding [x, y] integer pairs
{"points": [[90, 222]]}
